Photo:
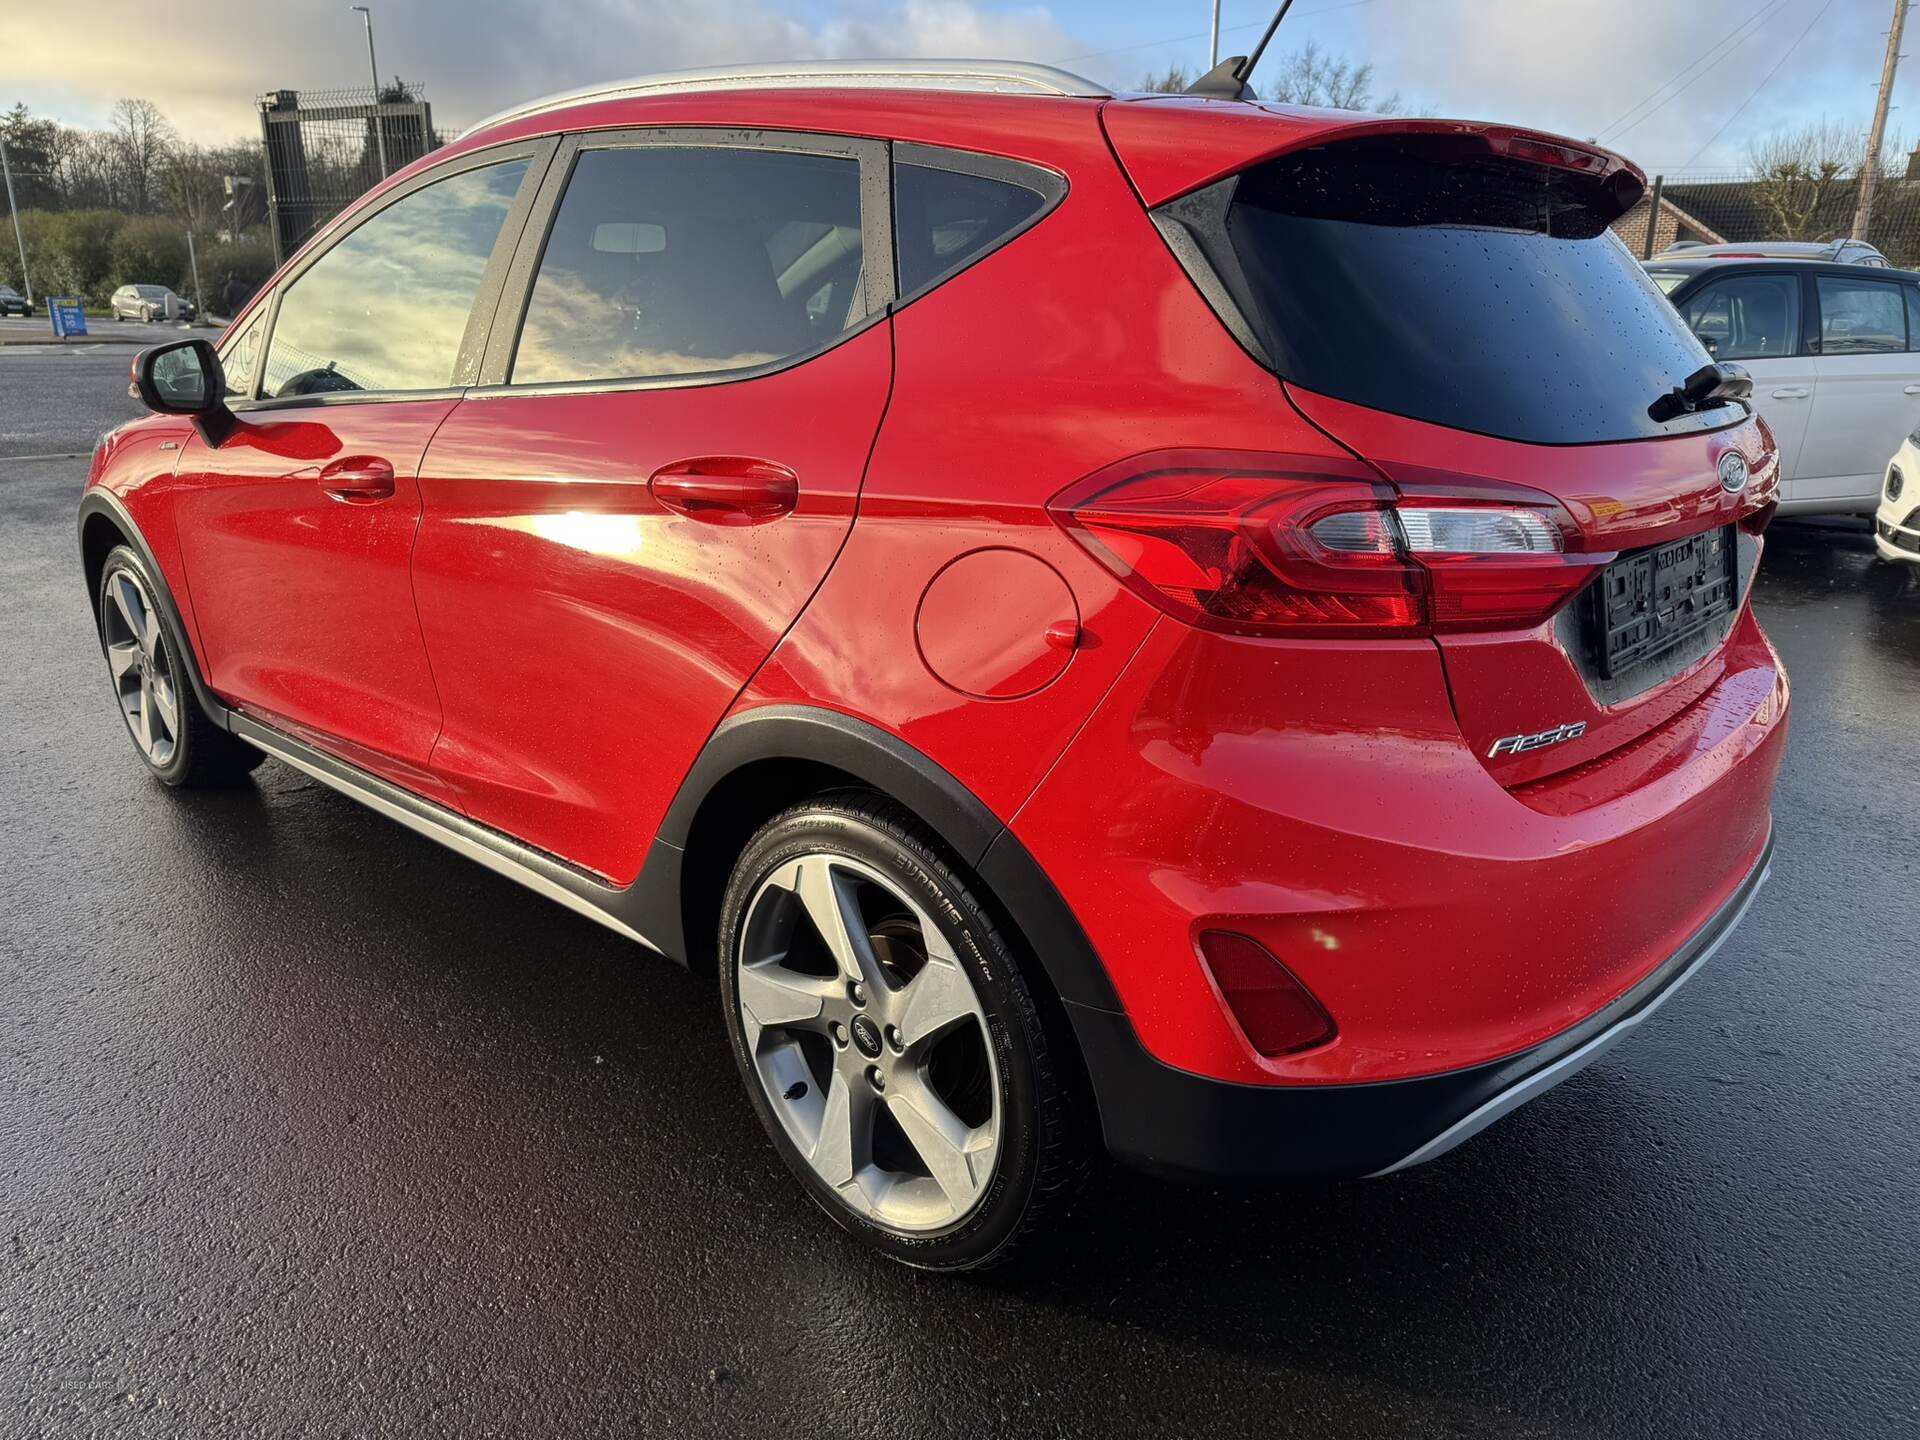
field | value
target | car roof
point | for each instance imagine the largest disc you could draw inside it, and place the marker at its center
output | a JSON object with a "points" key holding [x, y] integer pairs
{"points": [[994, 77], [1699, 265]]}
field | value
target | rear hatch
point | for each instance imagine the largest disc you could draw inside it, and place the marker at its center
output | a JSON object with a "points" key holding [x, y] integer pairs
{"points": [[1447, 302]]}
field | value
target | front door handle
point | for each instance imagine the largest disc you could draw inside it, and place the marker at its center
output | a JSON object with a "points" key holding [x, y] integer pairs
{"points": [[358, 480], [726, 489], [1911, 390], [1792, 392]]}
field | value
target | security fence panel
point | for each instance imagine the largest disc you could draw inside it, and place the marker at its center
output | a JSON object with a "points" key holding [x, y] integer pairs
{"points": [[326, 148]]}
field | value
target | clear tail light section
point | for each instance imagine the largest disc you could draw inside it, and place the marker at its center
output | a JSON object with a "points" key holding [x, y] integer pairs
{"points": [[1315, 546]]}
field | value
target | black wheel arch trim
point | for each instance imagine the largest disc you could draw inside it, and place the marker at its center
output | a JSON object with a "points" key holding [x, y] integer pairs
{"points": [[872, 756], [105, 504]]}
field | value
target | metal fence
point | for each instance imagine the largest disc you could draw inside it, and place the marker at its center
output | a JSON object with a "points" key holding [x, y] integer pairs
{"points": [[1721, 207], [326, 148]]}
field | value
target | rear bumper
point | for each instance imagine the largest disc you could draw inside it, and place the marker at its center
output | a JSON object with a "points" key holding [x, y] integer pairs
{"points": [[1175, 1123]]}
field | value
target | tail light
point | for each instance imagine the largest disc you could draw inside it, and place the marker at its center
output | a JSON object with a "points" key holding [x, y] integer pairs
{"points": [[1276, 1013], [1317, 546]]}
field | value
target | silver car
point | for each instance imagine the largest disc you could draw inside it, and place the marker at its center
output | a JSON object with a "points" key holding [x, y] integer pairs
{"points": [[149, 303], [1842, 251]]}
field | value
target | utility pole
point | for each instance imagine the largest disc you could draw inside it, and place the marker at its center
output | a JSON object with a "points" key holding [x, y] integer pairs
{"points": [[1870, 169], [193, 262], [1213, 44], [19, 239], [379, 126]]}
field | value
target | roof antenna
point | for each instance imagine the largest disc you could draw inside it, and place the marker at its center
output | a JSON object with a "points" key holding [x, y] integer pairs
{"points": [[1228, 79]]}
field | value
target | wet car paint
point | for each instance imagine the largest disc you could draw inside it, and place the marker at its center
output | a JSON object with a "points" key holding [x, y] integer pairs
{"points": [[309, 1127]]}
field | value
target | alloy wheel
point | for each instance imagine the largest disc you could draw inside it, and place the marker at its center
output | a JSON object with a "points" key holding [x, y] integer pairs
{"points": [[869, 1042], [144, 679]]}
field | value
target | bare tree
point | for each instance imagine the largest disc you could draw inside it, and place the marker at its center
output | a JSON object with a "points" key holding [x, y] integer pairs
{"points": [[1173, 82], [1798, 175], [143, 139], [1312, 76], [1307, 76]]}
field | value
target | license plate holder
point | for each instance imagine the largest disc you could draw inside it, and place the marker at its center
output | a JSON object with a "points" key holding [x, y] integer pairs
{"points": [[1652, 601]]}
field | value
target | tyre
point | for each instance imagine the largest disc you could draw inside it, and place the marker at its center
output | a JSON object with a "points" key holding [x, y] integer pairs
{"points": [[147, 660], [889, 1042]]}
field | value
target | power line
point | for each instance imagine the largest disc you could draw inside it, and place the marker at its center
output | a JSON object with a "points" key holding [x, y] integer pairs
{"points": [[1754, 93], [1199, 34], [1726, 44]]}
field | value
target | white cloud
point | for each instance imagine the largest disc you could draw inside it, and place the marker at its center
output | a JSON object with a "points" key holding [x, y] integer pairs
{"points": [[473, 56]]}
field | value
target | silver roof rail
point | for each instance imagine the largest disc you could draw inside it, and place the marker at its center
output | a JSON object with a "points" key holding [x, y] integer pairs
{"points": [[1003, 77]]}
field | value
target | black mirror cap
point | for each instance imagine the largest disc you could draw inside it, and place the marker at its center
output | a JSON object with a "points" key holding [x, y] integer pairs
{"points": [[209, 411]]}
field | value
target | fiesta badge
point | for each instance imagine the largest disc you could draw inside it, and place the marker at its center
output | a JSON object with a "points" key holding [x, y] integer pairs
{"points": [[1733, 472]]}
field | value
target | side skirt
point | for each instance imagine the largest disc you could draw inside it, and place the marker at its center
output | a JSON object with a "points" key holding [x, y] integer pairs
{"points": [[610, 905]]}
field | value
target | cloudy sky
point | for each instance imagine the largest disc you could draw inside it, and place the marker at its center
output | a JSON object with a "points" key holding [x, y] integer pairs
{"points": [[1671, 82]]}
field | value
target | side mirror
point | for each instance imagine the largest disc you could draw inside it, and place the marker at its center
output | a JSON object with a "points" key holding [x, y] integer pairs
{"points": [[184, 378]]}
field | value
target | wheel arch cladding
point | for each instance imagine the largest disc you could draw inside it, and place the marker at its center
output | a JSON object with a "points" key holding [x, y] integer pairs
{"points": [[760, 762], [104, 524]]}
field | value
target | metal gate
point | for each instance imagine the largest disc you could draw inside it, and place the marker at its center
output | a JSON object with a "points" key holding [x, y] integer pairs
{"points": [[326, 148]]}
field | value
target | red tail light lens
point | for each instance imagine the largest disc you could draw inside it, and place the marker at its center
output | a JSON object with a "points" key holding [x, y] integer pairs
{"points": [[1319, 547], [1276, 1013]]}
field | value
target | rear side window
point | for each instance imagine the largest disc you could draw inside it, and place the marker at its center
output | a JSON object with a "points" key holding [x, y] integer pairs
{"points": [[1861, 317], [386, 307], [1429, 280], [945, 218], [1746, 317], [665, 261]]}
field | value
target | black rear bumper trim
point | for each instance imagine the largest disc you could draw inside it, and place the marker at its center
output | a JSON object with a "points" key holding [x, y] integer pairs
{"points": [[1175, 1123]]}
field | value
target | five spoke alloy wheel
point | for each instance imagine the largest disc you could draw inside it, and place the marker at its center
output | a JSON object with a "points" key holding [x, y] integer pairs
{"points": [[869, 1042], [145, 679]]}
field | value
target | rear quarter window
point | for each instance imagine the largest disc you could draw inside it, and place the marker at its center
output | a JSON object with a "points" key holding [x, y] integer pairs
{"points": [[951, 208]]}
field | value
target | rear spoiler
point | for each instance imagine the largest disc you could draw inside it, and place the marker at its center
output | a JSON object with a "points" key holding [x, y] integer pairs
{"points": [[1171, 145]]}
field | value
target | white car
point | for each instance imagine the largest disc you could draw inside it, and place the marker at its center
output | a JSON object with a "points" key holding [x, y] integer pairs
{"points": [[1834, 351], [1845, 251], [1896, 525]]}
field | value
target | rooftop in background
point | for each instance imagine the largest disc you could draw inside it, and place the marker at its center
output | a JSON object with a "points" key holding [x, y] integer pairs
{"points": [[1003, 77]]}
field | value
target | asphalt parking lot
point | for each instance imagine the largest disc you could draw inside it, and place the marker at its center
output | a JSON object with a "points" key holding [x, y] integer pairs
{"points": [[308, 1127]]}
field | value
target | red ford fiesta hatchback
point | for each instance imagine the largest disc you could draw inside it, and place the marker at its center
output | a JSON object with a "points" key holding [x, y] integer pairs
{"points": [[1183, 624]]}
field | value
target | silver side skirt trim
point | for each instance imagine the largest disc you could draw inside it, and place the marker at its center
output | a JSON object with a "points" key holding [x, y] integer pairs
{"points": [[418, 816], [1573, 1062]]}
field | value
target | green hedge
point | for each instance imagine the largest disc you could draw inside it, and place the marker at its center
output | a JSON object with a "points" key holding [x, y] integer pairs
{"points": [[92, 253]]}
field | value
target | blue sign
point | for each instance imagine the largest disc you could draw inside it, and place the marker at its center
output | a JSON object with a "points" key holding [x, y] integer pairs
{"points": [[68, 314]]}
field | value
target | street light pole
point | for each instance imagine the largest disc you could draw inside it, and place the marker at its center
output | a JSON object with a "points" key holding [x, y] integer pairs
{"points": [[19, 239], [1213, 42], [379, 127]]}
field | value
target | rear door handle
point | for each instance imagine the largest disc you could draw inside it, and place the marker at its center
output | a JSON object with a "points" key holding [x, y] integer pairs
{"points": [[726, 489], [358, 480], [1792, 392], [1911, 390]]}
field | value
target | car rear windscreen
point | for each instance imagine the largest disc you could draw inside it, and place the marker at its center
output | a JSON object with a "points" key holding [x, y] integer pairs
{"points": [[1469, 291]]}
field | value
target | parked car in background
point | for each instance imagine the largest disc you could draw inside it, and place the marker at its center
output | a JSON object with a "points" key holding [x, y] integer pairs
{"points": [[149, 303], [1834, 351], [1310, 705], [12, 302], [1838, 252], [1896, 525]]}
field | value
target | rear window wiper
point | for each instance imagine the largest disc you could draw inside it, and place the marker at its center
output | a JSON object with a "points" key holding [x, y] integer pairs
{"points": [[1706, 387]]}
